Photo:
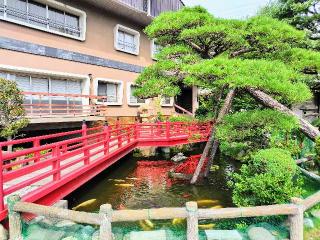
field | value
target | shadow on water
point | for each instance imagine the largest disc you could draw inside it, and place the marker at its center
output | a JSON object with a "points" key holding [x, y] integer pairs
{"points": [[130, 185]]}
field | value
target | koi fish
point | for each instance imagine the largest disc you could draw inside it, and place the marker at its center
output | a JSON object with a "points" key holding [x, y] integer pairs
{"points": [[207, 202], [124, 185], [85, 204], [146, 225], [206, 226], [177, 221]]}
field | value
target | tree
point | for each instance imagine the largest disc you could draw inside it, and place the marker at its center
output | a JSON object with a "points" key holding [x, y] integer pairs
{"points": [[303, 14], [267, 58], [12, 113], [269, 178]]}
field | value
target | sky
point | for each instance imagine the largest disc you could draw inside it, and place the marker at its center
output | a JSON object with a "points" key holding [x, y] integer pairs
{"points": [[230, 8]]}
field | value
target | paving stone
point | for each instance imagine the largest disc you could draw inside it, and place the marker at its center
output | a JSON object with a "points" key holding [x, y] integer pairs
{"points": [[223, 235], [37, 233], [260, 233], [150, 235], [308, 223]]}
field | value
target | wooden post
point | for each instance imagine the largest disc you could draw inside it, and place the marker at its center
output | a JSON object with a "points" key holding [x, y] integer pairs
{"points": [[105, 227], [296, 221], [36, 143], [56, 163], [167, 129], [85, 142], [15, 221], [106, 135], [192, 221], [1, 182]]}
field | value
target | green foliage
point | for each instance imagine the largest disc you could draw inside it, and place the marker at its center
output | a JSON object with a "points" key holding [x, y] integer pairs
{"points": [[181, 118], [244, 133], [12, 113], [269, 178], [303, 14]]}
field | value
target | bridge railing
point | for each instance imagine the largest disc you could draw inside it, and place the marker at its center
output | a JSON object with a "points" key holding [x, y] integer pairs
{"points": [[191, 213], [46, 162]]}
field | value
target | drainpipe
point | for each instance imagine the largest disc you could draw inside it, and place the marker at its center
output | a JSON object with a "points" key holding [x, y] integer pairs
{"points": [[91, 88]]}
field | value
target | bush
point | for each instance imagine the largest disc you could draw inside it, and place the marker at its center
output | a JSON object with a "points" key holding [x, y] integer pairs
{"points": [[270, 177], [181, 118], [244, 133]]}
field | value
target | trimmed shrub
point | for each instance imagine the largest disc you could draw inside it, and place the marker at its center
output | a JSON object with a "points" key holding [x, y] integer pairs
{"points": [[270, 177]]}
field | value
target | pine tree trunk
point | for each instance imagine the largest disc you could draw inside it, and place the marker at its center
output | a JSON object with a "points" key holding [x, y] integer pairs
{"points": [[223, 111], [309, 130]]}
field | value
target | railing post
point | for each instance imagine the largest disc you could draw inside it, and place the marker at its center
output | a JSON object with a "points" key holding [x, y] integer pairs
{"points": [[37, 155], [56, 163], [167, 129], [192, 221], [85, 142], [1, 181], [119, 133], [136, 130], [105, 227], [296, 221], [15, 221], [106, 135]]}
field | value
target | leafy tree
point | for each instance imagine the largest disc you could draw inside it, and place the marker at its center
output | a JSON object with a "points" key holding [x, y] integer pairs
{"points": [[303, 14], [269, 178], [12, 113], [239, 138], [260, 57]]}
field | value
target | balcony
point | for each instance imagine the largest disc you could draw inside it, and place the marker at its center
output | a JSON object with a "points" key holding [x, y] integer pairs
{"points": [[154, 7], [53, 108]]}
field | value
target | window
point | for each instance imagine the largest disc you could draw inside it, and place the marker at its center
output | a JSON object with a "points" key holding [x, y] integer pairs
{"points": [[155, 49], [52, 17], [126, 40], [167, 101], [133, 100], [111, 89]]}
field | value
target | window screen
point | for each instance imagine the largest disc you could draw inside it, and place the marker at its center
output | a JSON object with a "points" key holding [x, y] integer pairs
{"points": [[72, 25], [56, 20], [110, 90], [23, 83], [17, 9], [1, 8], [37, 14], [126, 41]]}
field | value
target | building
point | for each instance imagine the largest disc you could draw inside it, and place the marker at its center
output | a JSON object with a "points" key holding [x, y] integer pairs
{"points": [[78, 60]]}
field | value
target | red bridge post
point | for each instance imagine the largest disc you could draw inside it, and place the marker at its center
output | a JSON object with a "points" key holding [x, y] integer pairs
{"points": [[106, 135], [56, 163], [36, 143], [1, 182], [136, 130], [167, 129], [85, 142], [119, 133]]}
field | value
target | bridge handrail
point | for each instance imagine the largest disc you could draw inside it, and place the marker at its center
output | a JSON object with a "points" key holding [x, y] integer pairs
{"points": [[107, 215], [48, 157]]}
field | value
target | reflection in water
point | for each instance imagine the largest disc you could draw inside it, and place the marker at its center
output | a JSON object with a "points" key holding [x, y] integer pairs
{"points": [[133, 184]]}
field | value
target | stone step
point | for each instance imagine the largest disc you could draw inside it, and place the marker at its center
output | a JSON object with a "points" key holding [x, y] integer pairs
{"points": [[223, 235], [148, 235]]}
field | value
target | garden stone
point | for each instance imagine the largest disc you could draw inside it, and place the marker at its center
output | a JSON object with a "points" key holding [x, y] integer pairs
{"points": [[315, 213], [3, 233], [96, 235], [70, 238], [308, 223], [65, 223], [35, 232], [223, 235], [150, 235], [260, 233], [179, 157]]}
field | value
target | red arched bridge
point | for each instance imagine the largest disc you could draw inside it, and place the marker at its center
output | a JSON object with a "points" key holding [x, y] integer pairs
{"points": [[47, 168]]}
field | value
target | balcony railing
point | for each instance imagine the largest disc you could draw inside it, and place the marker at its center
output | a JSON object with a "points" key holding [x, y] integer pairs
{"points": [[38, 104], [154, 7]]}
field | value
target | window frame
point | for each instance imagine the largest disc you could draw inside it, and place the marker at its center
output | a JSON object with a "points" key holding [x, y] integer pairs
{"points": [[129, 85], [120, 90], [163, 104], [153, 55], [135, 33], [58, 6]]}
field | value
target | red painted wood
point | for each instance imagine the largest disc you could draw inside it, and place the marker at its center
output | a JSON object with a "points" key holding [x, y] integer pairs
{"points": [[97, 148]]}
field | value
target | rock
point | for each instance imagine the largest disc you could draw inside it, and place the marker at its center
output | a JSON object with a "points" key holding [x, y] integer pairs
{"points": [[3, 233], [150, 235], [70, 238], [316, 213], [223, 235], [179, 157], [95, 235], [35, 232], [260, 233], [308, 223], [87, 230], [65, 223]]}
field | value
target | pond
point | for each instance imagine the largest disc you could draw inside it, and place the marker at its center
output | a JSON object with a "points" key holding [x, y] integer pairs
{"points": [[132, 185]]}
